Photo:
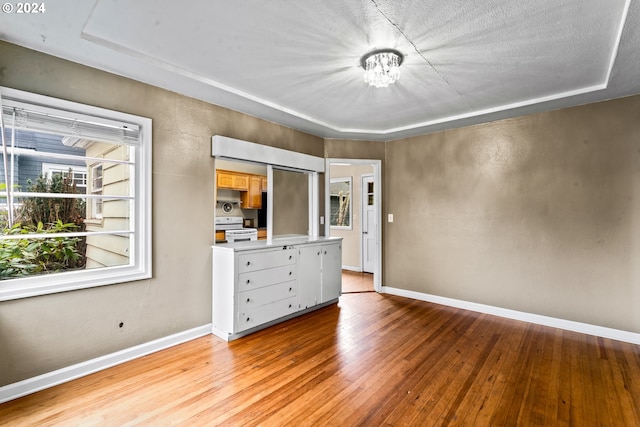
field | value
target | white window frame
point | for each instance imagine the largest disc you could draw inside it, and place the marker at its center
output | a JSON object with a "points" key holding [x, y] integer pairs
{"points": [[139, 267], [49, 168], [96, 204], [348, 180]]}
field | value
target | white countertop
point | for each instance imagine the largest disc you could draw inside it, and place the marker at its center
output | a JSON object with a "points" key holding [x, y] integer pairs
{"points": [[275, 242]]}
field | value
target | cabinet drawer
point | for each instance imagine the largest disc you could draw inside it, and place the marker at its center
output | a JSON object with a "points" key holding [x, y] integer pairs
{"points": [[267, 277], [253, 261], [261, 296], [265, 313]]}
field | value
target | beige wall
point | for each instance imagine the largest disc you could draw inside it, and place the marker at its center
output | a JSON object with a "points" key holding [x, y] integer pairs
{"points": [[41, 334], [538, 213], [290, 203]]}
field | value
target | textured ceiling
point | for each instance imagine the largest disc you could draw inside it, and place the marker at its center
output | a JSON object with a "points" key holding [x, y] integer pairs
{"points": [[297, 63]]}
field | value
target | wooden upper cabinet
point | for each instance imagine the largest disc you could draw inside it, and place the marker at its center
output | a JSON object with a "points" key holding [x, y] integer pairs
{"points": [[232, 180], [252, 199], [250, 186]]}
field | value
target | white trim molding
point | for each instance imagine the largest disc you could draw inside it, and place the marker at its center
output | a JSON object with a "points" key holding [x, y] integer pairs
{"points": [[569, 325], [51, 379]]}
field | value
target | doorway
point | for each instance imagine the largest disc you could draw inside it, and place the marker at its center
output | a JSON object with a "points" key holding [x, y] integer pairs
{"points": [[354, 213]]}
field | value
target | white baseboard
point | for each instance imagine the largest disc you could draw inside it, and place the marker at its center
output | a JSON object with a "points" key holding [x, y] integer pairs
{"points": [[351, 268], [50, 379], [585, 328]]}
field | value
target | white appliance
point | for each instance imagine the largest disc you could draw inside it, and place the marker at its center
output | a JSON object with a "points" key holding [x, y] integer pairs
{"points": [[233, 230]]}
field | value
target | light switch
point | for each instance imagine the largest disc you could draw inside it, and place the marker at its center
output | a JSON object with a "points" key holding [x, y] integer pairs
{"points": [[321, 220], [390, 217]]}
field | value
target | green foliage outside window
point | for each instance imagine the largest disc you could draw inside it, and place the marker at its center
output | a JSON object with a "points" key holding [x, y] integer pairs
{"points": [[21, 257]]}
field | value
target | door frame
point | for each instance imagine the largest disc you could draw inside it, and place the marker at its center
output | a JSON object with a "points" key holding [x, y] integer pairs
{"points": [[377, 193]]}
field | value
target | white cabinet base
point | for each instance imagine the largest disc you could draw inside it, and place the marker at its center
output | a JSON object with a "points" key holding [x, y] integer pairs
{"points": [[230, 337], [258, 285]]}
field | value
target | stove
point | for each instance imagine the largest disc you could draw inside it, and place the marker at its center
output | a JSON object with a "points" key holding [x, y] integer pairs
{"points": [[228, 223], [233, 230]]}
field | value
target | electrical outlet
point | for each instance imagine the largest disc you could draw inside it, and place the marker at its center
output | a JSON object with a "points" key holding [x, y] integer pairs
{"points": [[390, 217]]}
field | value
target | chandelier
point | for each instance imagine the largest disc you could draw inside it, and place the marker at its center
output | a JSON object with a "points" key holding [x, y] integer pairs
{"points": [[381, 67]]}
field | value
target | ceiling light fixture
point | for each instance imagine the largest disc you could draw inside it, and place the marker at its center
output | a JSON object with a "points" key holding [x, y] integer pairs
{"points": [[381, 66]]}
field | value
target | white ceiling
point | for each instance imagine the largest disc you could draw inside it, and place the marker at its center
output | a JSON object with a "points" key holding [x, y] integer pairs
{"points": [[298, 62]]}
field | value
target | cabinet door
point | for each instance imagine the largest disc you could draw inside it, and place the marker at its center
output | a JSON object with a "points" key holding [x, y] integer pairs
{"points": [[240, 182], [309, 275], [252, 198], [232, 180], [224, 179], [331, 271]]}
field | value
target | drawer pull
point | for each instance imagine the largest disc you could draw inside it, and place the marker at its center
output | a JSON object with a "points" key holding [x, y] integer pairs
{"points": [[325, 252], [248, 281], [248, 318], [248, 263], [248, 299], [318, 253], [290, 305], [290, 256], [290, 289], [290, 273]]}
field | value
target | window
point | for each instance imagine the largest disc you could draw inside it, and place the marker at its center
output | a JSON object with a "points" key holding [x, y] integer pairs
{"points": [[340, 199], [78, 173], [75, 196], [96, 190]]}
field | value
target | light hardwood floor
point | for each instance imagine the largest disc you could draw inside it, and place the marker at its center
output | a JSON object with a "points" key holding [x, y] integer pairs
{"points": [[371, 360]]}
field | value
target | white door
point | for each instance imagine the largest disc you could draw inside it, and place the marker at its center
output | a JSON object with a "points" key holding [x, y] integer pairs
{"points": [[369, 226]]}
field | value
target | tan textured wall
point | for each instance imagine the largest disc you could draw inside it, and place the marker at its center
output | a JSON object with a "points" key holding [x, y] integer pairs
{"points": [[539, 213], [290, 203], [354, 149], [45, 333]]}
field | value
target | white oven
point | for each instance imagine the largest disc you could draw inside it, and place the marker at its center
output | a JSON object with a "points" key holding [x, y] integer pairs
{"points": [[233, 230], [244, 234]]}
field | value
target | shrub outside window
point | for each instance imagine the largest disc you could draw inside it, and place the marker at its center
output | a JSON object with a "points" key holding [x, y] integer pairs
{"points": [[75, 196], [340, 199]]}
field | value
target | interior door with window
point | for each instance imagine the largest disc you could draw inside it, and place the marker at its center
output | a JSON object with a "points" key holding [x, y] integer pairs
{"points": [[369, 226]]}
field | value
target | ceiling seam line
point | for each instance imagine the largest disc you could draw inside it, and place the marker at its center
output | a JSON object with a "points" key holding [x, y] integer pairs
{"points": [[418, 52]]}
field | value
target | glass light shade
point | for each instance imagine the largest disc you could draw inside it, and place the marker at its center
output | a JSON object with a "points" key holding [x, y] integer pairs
{"points": [[381, 67]]}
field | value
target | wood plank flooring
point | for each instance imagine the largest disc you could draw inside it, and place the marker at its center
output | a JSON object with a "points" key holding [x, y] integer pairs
{"points": [[356, 282], [371, 360]]}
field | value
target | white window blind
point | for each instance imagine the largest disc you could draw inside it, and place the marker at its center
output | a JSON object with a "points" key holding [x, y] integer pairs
{"points": [[47, 120]]}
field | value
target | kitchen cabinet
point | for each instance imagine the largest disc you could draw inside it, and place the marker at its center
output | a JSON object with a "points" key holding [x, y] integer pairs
{"points": [[309, 272], [232, 180], [331, 286], [252, 198], [263, 183], [267, 286], [262, 233], [320, 269], [256, 284]]}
